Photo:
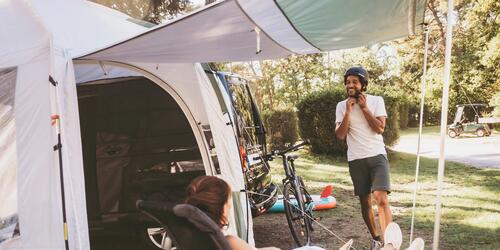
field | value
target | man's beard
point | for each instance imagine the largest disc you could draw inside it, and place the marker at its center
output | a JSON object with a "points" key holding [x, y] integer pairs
{"points": [[353, 93]]}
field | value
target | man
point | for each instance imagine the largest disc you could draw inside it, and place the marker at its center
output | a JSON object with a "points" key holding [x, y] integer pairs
{"points": [[360, 119]]}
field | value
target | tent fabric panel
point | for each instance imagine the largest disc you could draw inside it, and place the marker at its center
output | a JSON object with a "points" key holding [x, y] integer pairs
{"points": [[220, 32], [225, 146], [8, 160], [332, 25], [92, 72], [224, 138], [268, 16], [74, 181], [39, 199]]}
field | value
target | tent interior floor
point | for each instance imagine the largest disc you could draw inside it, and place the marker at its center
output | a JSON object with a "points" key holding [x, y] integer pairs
{"points": [[137, 145]]}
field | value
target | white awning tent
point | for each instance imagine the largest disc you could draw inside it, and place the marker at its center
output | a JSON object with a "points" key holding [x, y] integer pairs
{"points": [[41, 39], [258, 30]]}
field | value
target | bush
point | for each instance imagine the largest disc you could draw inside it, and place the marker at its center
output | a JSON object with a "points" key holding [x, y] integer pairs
{"points": [[281, 128], [316, 113]]}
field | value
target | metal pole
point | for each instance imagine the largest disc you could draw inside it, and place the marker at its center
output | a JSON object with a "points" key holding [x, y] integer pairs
{"points": [[444, 122], [57, 122], [58, 147], [421, 121]]}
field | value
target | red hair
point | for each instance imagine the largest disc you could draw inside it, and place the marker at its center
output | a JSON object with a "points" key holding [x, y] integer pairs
{"points": [[209, 194]]}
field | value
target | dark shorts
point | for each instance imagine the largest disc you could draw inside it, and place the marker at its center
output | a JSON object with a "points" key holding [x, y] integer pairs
{"points": [[370, 174]]}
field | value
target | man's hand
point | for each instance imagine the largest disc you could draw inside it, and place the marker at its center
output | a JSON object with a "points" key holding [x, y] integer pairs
{"points": [[348, 105], [362, 101], [342, 128]]}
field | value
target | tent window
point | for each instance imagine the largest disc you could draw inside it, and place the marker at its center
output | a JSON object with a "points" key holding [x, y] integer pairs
{"points": [[9, 224]]}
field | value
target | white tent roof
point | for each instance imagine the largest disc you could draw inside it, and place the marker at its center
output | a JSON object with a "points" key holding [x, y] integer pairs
{"points": [[234, 30], [18, 24], [79, 26]]}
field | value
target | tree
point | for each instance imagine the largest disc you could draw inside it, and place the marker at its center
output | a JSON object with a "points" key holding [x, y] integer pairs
{"points": [[475, 56], [154, 11]]}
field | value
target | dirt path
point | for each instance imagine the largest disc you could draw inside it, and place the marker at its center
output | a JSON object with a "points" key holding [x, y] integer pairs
{"points": [[272, 229]]}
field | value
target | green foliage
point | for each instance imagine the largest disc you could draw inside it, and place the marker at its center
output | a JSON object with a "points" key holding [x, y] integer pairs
{"points": [[154, 11], [284, 81], [316, 113], [475, 57], [281, 128]]}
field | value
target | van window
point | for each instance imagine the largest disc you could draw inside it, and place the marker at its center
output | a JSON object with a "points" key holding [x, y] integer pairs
{"points": [[244, 113]]}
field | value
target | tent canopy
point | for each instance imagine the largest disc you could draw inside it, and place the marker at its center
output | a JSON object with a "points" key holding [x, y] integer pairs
{"points": [[41, 38], [233, 30]]}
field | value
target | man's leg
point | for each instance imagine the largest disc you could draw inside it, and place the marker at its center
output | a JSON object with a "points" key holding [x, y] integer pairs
{"points": [[384, 210], [367, 212]]}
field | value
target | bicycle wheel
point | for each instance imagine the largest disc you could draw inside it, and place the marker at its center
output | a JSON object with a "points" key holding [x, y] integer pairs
{"points": [[296, 215]]}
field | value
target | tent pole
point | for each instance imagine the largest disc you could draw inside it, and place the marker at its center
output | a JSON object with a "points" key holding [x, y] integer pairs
{"points": [[58, 147], [444, 122], [421, 121]]}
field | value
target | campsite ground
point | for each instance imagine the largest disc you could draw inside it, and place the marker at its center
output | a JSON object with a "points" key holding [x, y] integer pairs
{"points": [[470, 214]]}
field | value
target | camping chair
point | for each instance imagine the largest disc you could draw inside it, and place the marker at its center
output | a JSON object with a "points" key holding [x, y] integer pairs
{"points": [[187, 226]]}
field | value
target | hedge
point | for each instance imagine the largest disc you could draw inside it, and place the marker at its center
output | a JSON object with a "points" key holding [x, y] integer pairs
{"points": [[281, 128], [316, 114]]}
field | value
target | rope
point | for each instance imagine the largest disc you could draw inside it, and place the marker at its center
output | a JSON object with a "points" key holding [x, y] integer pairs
{"points": [[304, 213], [421, 119]]}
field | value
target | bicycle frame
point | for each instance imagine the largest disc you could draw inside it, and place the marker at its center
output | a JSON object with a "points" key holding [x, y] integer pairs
{"points": [[300, 194]]}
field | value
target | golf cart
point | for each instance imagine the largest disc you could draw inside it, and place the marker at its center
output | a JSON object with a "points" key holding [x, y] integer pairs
{"points": [[463, 125]]}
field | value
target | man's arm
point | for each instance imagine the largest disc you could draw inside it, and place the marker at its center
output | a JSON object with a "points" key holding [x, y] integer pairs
{"points": [[377, 124], [342, 128]]}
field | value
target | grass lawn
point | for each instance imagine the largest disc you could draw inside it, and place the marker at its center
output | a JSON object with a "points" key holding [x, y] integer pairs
{"points": [[426, 130], [471, 198]]}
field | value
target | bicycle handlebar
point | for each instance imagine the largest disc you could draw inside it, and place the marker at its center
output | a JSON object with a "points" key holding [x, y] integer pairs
{"points": [[284, 152]]}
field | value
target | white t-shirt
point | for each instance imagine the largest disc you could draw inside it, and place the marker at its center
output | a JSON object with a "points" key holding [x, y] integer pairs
{"points": [[362, 141]]}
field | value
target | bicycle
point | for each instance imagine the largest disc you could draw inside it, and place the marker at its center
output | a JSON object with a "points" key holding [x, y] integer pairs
{"points": [[296, 200]]}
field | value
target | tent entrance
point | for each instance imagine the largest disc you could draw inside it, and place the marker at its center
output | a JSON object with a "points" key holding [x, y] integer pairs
{"points": [[137, 144]]}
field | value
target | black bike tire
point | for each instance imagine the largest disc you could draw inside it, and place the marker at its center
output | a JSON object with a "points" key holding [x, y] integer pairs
{"points": [[287, 188]]}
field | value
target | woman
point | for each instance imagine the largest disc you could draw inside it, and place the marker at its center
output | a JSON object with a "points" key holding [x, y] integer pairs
{"points": [[213, 196]]}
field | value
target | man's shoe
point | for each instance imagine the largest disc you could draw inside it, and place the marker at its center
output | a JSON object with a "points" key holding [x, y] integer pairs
{"points": [[376, 245]]}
